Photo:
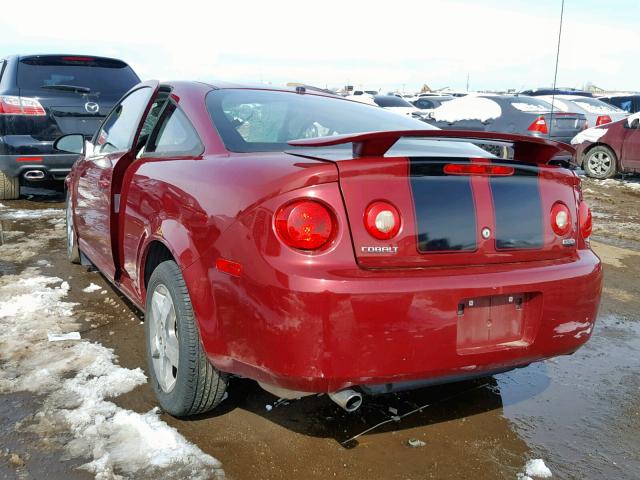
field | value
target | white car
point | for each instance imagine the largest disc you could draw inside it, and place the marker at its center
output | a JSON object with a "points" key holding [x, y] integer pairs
{"points": [[597, 112]]}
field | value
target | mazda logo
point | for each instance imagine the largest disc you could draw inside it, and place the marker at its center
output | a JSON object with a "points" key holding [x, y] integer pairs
{"points": [[92, 107]]}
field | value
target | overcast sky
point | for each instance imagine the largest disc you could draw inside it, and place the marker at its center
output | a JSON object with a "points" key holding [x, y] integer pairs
{"points": [[499, 43]]}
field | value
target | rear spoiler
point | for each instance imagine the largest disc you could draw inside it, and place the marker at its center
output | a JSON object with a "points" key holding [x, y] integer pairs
{"points": [[376, 144]]}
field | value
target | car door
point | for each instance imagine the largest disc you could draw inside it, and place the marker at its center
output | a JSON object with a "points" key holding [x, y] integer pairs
{"points": [[98, 190], [631, 145], [171, 144]]}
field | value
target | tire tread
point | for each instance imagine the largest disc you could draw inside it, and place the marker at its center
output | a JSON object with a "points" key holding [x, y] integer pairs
{"points": [[9, 187]]}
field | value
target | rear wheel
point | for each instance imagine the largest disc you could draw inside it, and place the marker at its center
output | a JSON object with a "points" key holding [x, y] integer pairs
{"points": [[9, 187], [600, 162], [73, 252], [184, 381]]}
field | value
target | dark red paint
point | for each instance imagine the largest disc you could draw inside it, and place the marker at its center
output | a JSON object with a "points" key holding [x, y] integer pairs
{"points": [[334, 317], [623, 139]]}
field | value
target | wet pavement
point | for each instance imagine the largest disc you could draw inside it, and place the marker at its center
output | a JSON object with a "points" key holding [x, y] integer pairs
{"points": [[580, 414]]}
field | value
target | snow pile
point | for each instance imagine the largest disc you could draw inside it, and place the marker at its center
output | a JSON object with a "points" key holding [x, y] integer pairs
{"points": [[467, 108], [633, 118], [530, 107], [536, 468], [76, 381], [595, 108], [31, 214], [588, 135], [91, 288]]}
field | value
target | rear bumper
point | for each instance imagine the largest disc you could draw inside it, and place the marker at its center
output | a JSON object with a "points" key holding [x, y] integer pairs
{"points": [[335, 329], [54, 167], [23, 153]]}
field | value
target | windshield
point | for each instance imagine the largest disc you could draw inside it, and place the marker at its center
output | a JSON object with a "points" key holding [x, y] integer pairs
{"points": [[263, 120], [391, 101], [95, 74]]}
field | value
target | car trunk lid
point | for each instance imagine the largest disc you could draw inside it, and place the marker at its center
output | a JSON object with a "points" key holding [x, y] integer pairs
{"points": [[462, 219]]}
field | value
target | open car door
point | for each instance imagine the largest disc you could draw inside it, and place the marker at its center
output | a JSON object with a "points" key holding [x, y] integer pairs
{"points": [[100, 173]]}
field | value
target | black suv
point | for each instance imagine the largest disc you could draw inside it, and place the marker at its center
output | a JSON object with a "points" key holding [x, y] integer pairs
{"points": [[45, 96], [629, 102]]}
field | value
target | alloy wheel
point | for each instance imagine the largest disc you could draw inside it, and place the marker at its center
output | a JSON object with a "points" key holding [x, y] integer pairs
{"points": [[599, 163], [164, 346]]}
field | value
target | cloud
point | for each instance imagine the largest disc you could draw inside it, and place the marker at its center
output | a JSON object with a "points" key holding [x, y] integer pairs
{"points": [[436, 42]]}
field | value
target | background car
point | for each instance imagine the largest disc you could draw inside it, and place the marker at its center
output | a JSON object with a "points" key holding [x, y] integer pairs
{"points": [[430, 102], [508, 114], [627, 102], [45, 96], [536, 92], [392, 103], [267, 232], [609, 149], [596, 111]]}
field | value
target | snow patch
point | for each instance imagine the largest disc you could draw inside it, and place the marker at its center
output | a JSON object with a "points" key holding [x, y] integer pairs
{"points": [[76, 380], [537, 468], [588, 135], [530, 107], [23, 214], [467, 108], [91, 288], [632, 118]]}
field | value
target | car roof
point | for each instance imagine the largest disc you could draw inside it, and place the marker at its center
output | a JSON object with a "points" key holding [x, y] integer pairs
{"points": [[36, 55], [226, 85]]}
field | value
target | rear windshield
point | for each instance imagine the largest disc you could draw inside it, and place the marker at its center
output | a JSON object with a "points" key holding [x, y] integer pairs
{"points": [[391, 101], [262, 120], [593, 105], [529, 104], [98, 75]]}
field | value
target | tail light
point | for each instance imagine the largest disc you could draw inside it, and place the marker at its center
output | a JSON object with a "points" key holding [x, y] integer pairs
{"points": [[382, 220], [305, 224], [585, 220], [560, 219], [539, 125], [11, 105], [477, 169], [602, 119]]}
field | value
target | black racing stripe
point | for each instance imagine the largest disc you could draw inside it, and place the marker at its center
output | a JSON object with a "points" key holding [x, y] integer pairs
{"points": [[445, 209], [518, 210]]}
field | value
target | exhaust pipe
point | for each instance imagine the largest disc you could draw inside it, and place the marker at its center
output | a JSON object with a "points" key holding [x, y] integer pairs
{"points": [[348, 399], [34, 175]]}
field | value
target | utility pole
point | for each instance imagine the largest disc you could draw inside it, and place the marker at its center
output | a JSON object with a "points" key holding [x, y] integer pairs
{"points": [[467, 81]]}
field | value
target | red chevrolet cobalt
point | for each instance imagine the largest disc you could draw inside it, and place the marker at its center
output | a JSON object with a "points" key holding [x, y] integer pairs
{"points": [[315, 244]]}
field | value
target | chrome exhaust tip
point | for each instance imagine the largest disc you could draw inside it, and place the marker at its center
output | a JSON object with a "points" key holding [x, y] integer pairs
{"points": [[34, 175], [348, 399]]}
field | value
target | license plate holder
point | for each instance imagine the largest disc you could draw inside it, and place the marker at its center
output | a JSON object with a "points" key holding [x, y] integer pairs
{"points": [[493, 323]]}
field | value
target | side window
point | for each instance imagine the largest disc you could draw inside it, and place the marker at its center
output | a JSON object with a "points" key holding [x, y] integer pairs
{"points": [[3, 64], [117, 132], [150, 121], [175, 135]]}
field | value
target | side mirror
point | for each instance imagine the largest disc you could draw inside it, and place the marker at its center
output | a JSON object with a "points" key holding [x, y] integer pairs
{"points": [[73, 143]]}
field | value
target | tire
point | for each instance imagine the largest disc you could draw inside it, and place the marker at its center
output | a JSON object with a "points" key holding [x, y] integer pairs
{"points": [[73, 251], [9, 187], [192, 386], [600, 162]]}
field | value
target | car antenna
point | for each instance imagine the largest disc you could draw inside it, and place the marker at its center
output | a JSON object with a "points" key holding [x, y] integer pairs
{"points": [[555, 75]]}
